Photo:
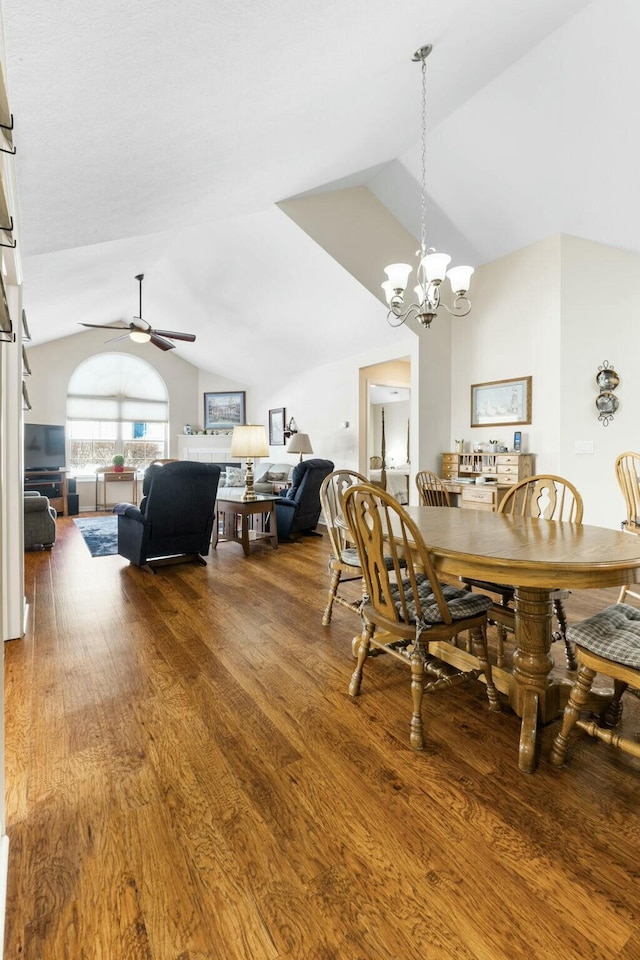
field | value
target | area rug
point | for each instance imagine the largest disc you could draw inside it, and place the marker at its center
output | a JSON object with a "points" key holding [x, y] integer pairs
{"points": [[100, 534]]}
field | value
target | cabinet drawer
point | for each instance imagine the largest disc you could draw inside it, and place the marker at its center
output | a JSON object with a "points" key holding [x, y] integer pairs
{"points": [[508, 469], [509, 478], [448, 472], [449, 458], [476, 505], [506, 458], [478, 495]]}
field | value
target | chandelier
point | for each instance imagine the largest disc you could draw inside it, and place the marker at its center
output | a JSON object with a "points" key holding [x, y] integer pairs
{"points": [[432, 266]]}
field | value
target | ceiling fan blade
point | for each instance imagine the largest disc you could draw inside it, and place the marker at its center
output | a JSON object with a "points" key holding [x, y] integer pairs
{"points": [[163, 344], [107, 326], [190, 337]]}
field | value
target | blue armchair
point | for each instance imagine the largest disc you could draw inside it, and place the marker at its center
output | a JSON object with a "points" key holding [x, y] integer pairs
{"points": [[175, 519], [299, 511]]}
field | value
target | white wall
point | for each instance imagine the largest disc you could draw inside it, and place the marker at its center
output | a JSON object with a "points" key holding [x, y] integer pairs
{"points": [[513, 331], [600, 310], [544, 311], [324, 399]]}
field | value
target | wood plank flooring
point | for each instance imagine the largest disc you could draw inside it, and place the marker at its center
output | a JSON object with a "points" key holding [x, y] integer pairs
{"points": [[187, 778]]}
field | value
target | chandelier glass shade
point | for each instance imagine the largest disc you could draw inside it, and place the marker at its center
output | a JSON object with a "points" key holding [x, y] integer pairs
{"points": [[432, 266]]}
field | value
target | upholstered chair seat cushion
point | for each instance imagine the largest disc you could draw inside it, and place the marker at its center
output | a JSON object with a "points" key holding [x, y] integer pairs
{"points": [[350, 556], [461, 603], [613, 634]]}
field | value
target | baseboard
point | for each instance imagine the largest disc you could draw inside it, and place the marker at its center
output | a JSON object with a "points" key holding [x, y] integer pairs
{"points": [[4, 875]]}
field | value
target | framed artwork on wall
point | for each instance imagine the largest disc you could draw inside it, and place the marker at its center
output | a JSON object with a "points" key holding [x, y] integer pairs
{"points": [[276, 426], [224, 410], [501, 403]]}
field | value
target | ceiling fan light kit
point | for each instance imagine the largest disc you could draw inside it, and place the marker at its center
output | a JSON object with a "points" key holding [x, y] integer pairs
{"points": [[145, 333]]}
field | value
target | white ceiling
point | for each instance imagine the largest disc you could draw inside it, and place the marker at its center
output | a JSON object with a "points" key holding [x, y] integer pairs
{"points": [[157, 136]]}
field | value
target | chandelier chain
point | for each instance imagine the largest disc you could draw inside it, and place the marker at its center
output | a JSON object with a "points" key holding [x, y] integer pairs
{"points": [[423, 199]]}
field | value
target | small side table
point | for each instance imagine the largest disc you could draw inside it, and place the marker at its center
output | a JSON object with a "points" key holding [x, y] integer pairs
{"points": [[245, 521], [108, 475]]}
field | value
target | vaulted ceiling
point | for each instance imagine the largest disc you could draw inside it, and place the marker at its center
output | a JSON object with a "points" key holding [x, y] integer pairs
{"points": [[158, 137]]}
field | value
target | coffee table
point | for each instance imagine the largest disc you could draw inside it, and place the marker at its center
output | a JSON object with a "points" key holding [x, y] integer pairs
{"points": [[245, 521]]}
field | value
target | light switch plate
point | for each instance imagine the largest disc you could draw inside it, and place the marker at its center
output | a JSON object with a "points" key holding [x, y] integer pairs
{"points": [[583, 446]]}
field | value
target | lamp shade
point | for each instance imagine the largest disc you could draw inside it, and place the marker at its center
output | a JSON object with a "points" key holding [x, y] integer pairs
{"points": [[435, 266], [249, 441], [398, 274], [460, 278], [299, 443]]}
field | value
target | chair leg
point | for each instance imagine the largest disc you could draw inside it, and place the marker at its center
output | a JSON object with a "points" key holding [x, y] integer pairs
{"points": [[501, 635], [613, 714], [363, 652], [577, 702], [622, 594], [333, 589], [479, 641], [416, 737], [570, 657]]}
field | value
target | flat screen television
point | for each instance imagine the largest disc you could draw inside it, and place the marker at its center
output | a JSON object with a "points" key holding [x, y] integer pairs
{"points": [[44, 446]]}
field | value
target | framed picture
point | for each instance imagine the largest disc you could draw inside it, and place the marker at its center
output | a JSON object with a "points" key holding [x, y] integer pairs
{"points": [[501, 403], [276, 426], [224, 411]]}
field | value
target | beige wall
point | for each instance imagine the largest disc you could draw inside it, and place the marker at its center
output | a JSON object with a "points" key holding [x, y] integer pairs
{"points": [[600, 310], [53, 363], [544, 311]]}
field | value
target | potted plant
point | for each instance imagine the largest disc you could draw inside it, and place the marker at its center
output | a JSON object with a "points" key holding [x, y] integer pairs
{"points": [[118, 463]]}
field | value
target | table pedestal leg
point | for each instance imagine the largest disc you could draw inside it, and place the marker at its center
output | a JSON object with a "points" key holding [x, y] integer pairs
{"points": [[532, 696]]}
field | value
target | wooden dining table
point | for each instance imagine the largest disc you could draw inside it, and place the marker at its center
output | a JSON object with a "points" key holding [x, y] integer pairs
{"points": [[536, 557]]}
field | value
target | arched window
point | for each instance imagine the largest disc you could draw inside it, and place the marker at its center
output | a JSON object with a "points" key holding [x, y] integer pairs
{"points": [[116, 404]]}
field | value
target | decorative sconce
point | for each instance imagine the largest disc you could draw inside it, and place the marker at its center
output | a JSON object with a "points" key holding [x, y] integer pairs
{"points": [[606, 402], [290, 428]]}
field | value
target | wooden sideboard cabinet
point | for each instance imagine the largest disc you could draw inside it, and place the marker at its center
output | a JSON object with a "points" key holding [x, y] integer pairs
{"points": [[501, 470], [506, 468]]}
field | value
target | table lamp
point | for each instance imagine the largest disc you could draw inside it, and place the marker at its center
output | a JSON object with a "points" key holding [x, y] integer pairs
{"points": [[249, 441], [300, 443]]}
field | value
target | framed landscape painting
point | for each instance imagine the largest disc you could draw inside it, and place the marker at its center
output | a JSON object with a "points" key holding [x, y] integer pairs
{"points": [[276, 426], [501, 403], [224, 411]]}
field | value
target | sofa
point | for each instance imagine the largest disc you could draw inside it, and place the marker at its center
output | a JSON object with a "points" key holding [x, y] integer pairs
{"points": [[39, 521], [270, 477]]}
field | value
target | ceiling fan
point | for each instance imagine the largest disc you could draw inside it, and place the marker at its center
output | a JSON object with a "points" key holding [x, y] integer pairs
{"points": [[143, 332]]}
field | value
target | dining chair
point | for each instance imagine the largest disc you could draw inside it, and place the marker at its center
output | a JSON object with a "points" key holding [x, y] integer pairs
{"points": [[432, 490], [544, 497], [344, 563], [405, 608], [627, 467], [607, 644]]}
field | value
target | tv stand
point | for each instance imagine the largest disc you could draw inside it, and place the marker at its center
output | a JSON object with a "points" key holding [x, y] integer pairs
{"points": [[52, 484]]}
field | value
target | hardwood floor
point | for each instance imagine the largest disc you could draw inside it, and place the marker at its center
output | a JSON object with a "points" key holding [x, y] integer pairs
{"points": [[187, 778]]}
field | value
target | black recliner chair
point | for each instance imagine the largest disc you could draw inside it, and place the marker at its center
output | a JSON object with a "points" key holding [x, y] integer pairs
{"points": [[175, 519], [299, 511]]}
